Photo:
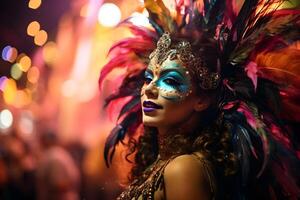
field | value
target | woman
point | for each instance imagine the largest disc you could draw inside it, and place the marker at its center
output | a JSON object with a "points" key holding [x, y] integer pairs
{"points": [[207, 95]]}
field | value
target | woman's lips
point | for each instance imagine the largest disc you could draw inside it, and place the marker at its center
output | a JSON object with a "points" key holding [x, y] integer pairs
{"points": [[149, 106], [148, 109]]}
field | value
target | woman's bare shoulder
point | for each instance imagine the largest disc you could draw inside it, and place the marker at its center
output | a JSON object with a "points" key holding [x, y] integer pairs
{"points": [[185, 164], [185, 178]]}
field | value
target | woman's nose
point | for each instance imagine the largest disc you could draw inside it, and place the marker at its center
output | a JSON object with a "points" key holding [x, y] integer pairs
{"points": [[151, 90]]}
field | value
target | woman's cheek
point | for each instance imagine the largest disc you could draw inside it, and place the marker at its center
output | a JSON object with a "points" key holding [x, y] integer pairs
{"points": [[173, 94]]}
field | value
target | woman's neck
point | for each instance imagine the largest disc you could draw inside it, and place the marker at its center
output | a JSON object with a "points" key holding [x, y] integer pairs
{"points": [[166, 133], [185, 127], [162, 132]]}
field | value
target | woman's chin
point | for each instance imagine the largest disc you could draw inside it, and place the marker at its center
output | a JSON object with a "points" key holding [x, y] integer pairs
{"points": [[151, 121]]}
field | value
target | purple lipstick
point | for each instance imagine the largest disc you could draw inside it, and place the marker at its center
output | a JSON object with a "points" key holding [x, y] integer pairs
{"points": [[149, 106]]}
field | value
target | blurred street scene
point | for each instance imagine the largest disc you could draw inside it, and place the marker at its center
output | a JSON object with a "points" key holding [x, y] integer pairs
{"points": [[52, 122]]}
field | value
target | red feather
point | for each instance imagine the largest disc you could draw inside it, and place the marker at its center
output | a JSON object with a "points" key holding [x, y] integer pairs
{"points": [[137, 45], [283, 68]]}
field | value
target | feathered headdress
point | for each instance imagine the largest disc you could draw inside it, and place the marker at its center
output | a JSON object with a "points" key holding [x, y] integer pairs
{"points": [[259, 45]]}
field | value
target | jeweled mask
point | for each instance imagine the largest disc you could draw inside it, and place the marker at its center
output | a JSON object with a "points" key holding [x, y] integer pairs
{"points": [[183, 52]]}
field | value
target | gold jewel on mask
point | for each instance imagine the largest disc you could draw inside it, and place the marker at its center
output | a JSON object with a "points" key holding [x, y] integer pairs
{"points": [[183, 52]]}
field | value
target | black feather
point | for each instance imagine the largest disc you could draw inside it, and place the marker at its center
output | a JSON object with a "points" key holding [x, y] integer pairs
{"points": [[112, 140], [130, 105], [118, 134]]}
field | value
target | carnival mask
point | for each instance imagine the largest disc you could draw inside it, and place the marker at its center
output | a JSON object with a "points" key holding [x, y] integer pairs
{"points": [[183, 53], [171, 79]]}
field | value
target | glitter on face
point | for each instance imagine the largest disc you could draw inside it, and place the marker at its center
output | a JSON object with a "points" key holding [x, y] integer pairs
{"points": [[171, 79]]}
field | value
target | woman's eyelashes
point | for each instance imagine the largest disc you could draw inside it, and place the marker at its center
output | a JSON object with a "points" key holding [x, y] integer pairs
{"points": [[172, 79], [148, 77], [147, 80], [172, 82]]}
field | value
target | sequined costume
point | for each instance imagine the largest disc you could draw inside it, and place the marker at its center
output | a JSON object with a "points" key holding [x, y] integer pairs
{"points": [[153, 180]]}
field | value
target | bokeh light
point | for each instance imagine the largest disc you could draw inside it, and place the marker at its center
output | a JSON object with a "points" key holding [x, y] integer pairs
{"points": [[24, 62], [34, 4], [87, 92], [9, 91], [50, 52], [6, 119], [109, 15], [68, 88], [5, 52], [12, 54], [33, 28], [9, 53], [32, 87], [16, 71], [139, 19], [84, 10], [3, 80], [33, 74], [26, 123], [23, 98], [40, 38]]}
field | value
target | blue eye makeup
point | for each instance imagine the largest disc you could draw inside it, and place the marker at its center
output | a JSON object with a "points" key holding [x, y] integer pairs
{"points": [[172, 85], [148, 77], [173, 80]]}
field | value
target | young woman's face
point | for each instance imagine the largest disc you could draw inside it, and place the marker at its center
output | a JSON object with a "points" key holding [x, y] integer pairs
{"points": [[168, 98]]}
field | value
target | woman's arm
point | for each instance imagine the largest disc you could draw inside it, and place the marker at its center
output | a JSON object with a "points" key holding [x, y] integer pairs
{"points": [[185, 178]]}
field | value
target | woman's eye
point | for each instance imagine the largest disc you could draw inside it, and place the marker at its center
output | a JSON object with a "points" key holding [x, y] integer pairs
{"points": [[147, 80], [171, 81]]}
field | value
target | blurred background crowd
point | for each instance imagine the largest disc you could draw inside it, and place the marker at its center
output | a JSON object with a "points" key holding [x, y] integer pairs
{"points": [[52, 122]]}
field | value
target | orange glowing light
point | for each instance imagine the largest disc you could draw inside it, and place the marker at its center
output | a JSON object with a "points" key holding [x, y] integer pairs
{"points": [[84, 10], [40, 38], [9, 92], [24, 62], [50, 52], [33, 75], [23, 98], [34, 4], [33, 28]]}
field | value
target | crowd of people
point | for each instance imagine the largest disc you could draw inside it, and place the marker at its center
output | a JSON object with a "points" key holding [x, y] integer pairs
{"points": [[46, 169]]}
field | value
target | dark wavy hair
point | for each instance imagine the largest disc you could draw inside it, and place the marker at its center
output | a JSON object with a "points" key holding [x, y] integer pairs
{"points": [[213, 142]]}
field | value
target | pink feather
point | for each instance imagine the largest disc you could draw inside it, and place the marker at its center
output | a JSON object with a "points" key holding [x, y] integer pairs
{"points": [[251, 69], [121, 61]]}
